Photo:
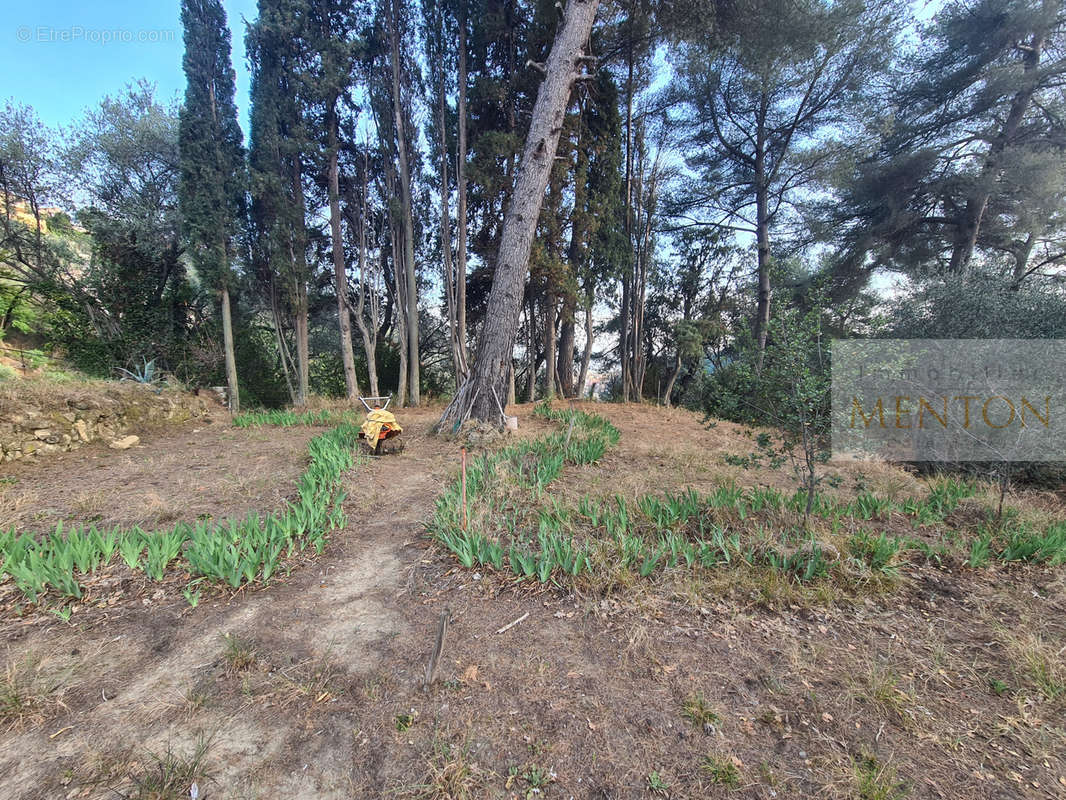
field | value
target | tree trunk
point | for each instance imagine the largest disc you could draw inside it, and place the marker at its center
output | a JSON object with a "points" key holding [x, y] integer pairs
{"points": [[762, 239], [531, 352], [410, 278], [450, 278], [665, 400], [488, 376], [1021, 259], [623, 336], [303, 366], [232, 393], [401, 319], [299, 260], [549, 341], [340, 276], [564, 369], [460, 180], [283, 348], [586, 356], [624, 328]]}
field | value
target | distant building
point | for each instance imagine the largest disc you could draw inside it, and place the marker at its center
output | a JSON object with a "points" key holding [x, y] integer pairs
{"points": [[21, 211]]}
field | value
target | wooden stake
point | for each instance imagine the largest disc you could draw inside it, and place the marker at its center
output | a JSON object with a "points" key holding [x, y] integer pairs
{"points": [[433, 665]]}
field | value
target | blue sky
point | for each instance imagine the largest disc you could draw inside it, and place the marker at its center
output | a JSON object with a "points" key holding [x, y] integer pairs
{"points": [[62, 57]]}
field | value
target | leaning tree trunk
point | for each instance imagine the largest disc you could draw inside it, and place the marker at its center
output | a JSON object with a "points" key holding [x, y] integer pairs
{"points": [[665, 399], [477, 396]]}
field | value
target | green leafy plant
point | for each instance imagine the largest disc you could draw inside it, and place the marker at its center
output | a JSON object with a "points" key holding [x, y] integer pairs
{"points": [[721, 771]]}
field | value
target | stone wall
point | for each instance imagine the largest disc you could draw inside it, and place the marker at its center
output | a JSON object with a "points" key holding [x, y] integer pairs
{"points": [[64, 421]]}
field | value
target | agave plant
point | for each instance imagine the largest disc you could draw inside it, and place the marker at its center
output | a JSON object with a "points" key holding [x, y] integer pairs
{"points": [[145, 374]]}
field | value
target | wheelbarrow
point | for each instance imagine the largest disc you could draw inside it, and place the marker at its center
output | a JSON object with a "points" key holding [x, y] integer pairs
{"points": [[380, 425]]}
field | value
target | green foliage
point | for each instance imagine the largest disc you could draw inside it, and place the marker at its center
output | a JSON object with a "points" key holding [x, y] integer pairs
{"points": [[124, 156], [656, 782], [211, 189], [786, 387], [877, 781], [721, 771], [878, 553], [984, 69]]}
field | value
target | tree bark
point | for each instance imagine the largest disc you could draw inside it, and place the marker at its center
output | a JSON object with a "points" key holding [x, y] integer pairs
{"points": [[299, 259], [401, 318], [762, 240], [283, 348], [625, 329], [564, 368], [477, 395], [232, 393], [665, 400], [460, 181], [410, 276], [450, 278], [340, 276], [586, 356], [549, 340], [531, 352]]}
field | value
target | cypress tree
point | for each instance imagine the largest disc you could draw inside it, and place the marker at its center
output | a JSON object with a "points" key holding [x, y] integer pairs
{"points": [[211, 189]]}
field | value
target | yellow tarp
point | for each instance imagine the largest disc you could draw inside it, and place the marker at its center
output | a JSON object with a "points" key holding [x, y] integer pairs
{"points": [[373, 423]]}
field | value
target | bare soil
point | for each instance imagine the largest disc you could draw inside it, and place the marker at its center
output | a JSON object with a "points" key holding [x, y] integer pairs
{"points": [[942, 687], [197, 470]]}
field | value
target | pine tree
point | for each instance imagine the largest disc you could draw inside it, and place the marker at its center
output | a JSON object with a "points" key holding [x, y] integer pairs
{"points": [[211, 190], [971, 163], [766, 102]]}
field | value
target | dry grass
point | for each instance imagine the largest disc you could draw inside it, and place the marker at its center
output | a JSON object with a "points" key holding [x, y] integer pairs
{"points": [[17, 504], [312, 681], [238, 653], [91, 505], [878, 685], [31, 692], [1037, 662], [450, 775]]}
